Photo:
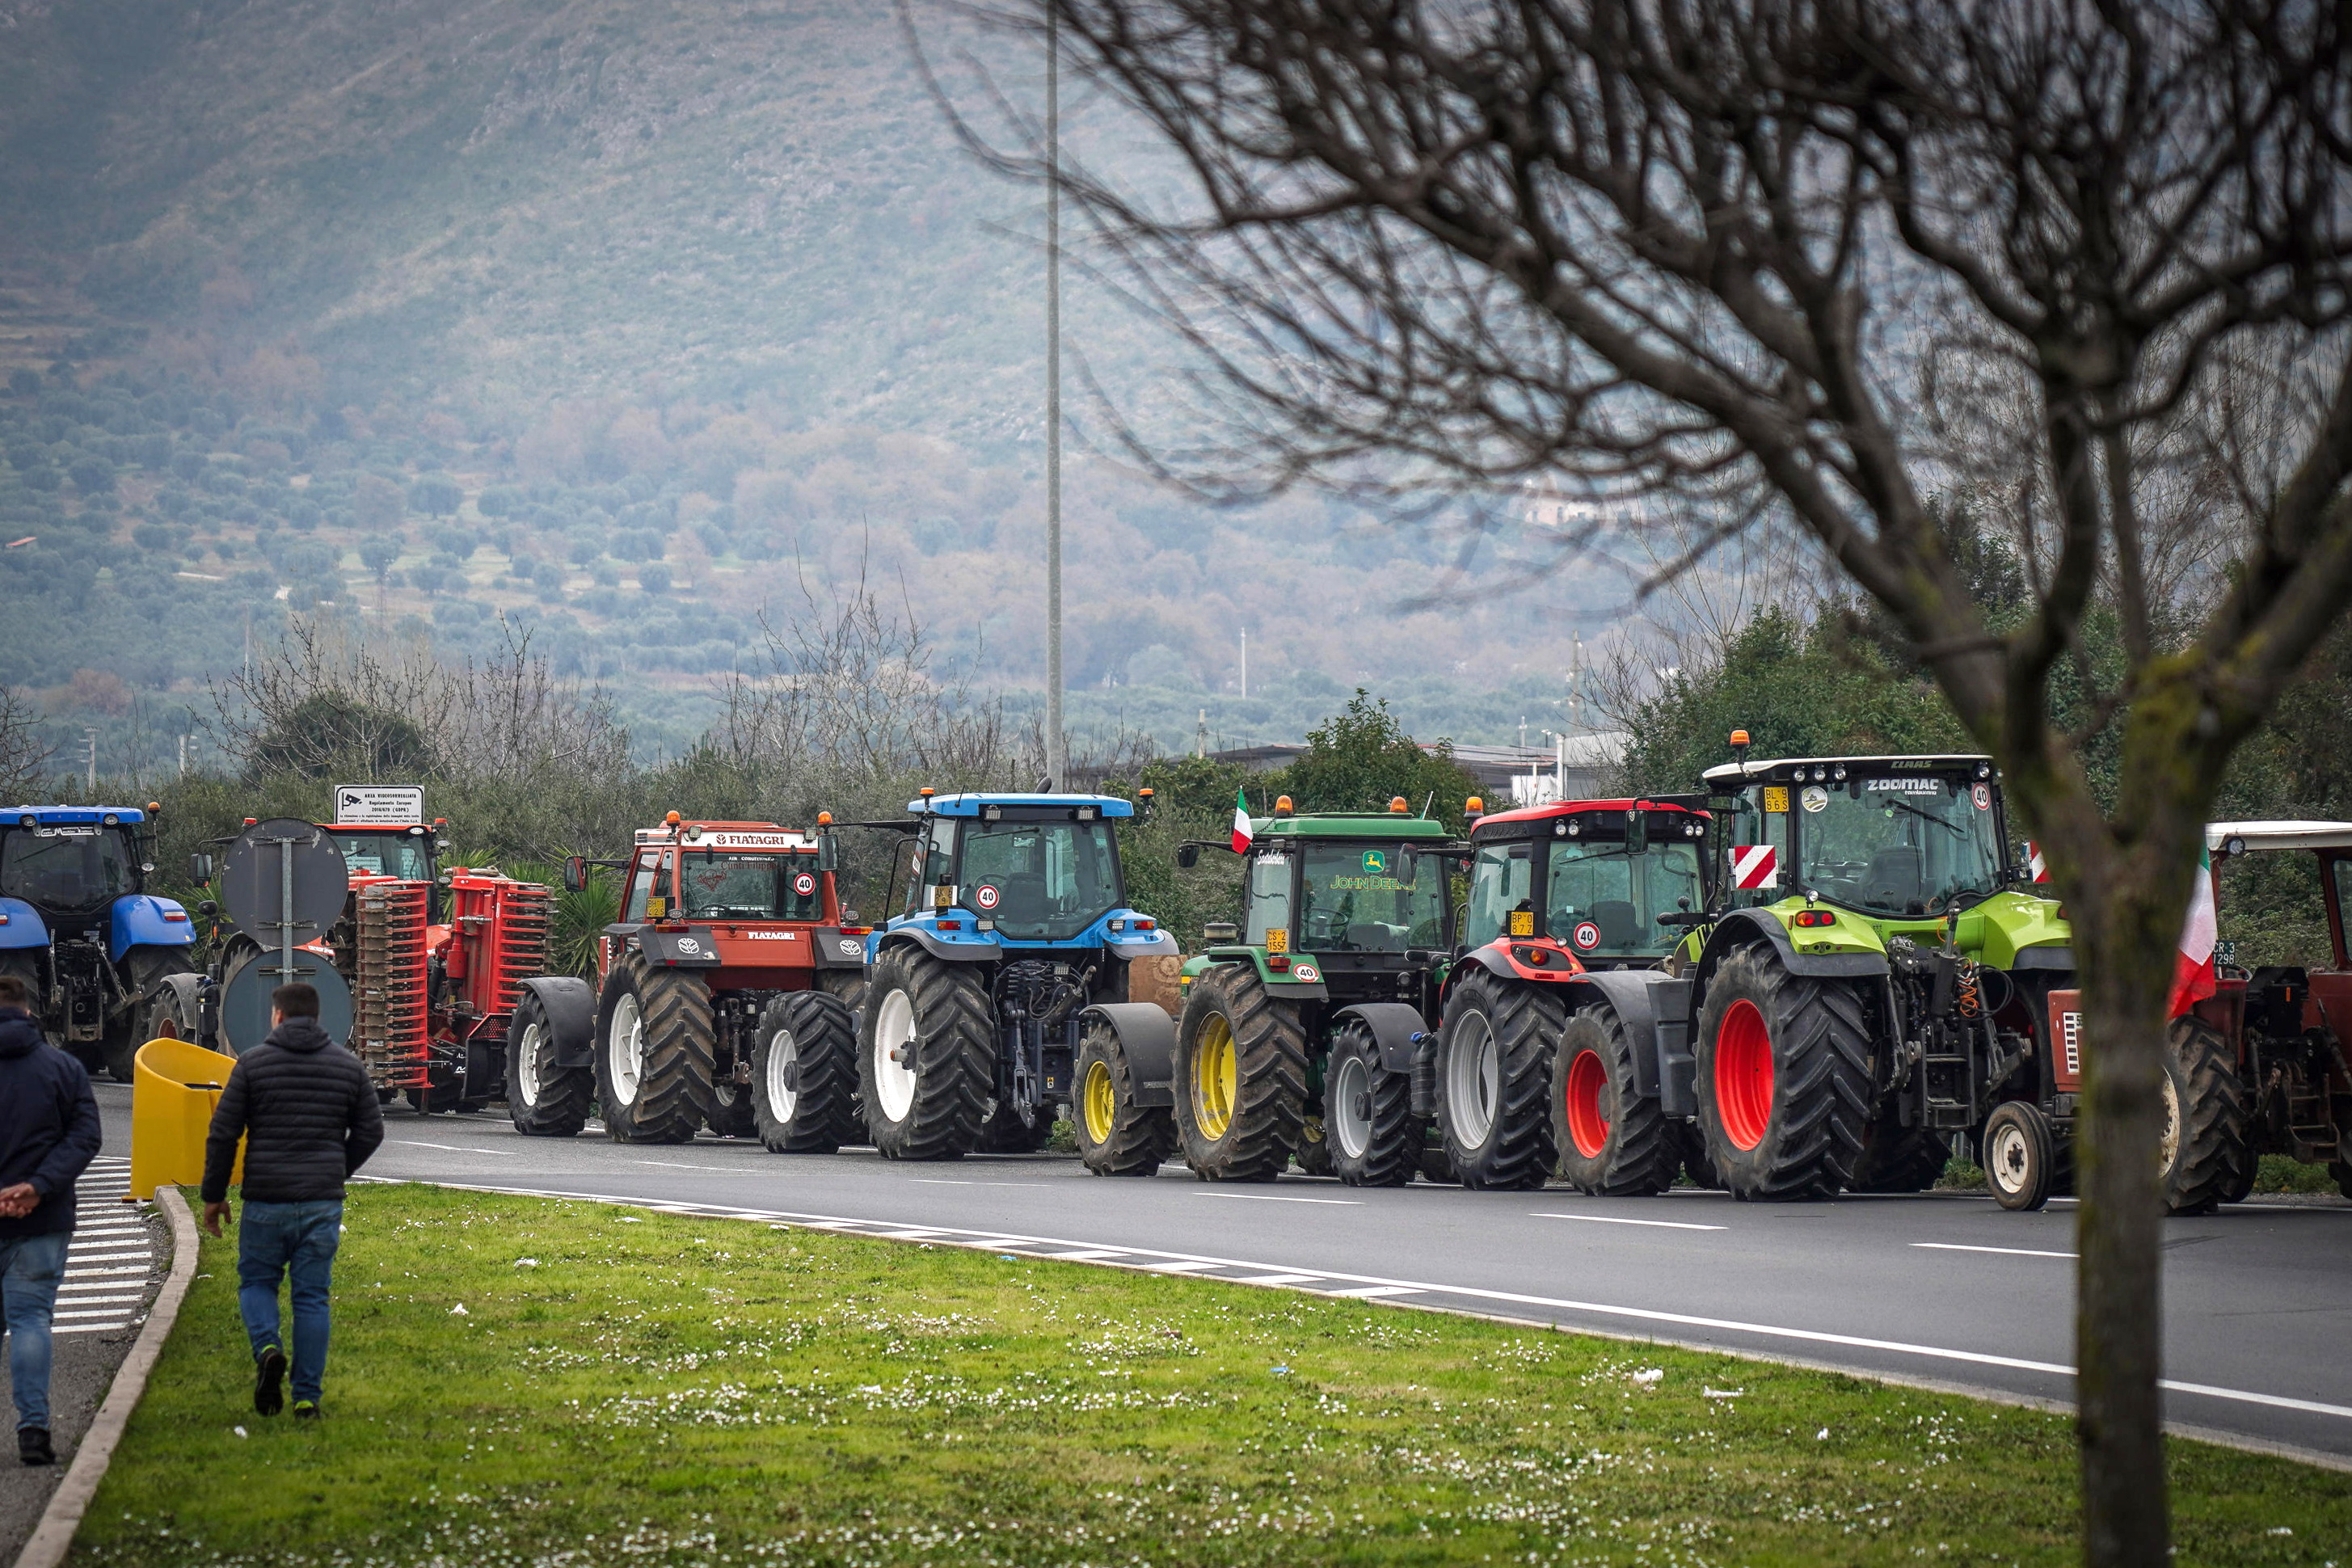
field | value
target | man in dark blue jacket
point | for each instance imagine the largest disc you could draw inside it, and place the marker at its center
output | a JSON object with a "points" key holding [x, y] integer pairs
{"points": [[49, 1135], [309, 1117]]}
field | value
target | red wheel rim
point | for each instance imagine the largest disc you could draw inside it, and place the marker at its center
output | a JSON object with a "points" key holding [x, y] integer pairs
{"points": [[1743, 1075], [1587, 1127]]}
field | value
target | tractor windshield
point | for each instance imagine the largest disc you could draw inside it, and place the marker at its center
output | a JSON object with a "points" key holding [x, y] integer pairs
{"points": [[1038, 881], [1906, 846], [407, 855], [68, 867], [748, 886], [1604, 899], [1358, 898]]}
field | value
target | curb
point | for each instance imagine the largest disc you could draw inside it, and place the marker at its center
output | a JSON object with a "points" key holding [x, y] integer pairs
{"points": [[52, 1537]]}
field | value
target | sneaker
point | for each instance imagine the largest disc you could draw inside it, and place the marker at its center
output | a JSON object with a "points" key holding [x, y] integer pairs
{"points": [[306, 1410], [269, 1381], [32, 1445]]}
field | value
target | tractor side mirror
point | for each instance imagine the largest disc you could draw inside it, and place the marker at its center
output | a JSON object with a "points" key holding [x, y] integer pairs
{"points": [[1221, 930], [200, 868], [1187, 855], [208, 909], [575, 873], [829, 853]]}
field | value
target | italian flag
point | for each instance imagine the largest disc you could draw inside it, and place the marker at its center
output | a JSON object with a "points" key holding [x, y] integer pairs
{"points": [[2192, 974], [1242, 832]]}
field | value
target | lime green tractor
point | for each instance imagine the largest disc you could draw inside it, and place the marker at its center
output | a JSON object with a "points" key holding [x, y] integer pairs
{"points": [[1878, 976], [1304, 1028]]}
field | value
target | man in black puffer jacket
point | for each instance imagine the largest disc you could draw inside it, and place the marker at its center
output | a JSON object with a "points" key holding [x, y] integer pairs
{"points": [[309, 1117], [49, 1134]]}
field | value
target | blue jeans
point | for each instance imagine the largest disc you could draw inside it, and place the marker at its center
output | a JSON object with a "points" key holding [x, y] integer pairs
{"points": [[30, 1267], [278, 1240]]}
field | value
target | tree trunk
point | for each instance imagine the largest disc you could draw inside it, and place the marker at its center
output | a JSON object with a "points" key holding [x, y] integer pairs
{"points": [[2124, 946]]}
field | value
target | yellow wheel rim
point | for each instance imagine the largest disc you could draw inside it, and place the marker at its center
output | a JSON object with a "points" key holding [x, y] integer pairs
{"points": [[1100, 1108], [1216, 1080]]}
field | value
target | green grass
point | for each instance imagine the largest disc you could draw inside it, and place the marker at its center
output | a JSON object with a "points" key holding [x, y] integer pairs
{"points": [[661, 1389]]}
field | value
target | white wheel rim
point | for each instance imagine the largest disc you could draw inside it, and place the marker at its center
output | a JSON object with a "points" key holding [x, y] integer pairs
{"points": [[2009, 1158], [526, 1064], [624, 1049], [783, 1065], [2167, 1147], [894, 1026], [1473, 1078], [1349, 1131]]}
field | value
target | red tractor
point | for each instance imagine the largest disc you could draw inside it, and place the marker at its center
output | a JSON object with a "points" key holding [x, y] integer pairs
{"points": [[719, 999], [2281, 1029], [430, 964]]}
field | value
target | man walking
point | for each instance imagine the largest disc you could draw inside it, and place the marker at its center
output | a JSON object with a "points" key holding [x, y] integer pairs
{"points": [[309, 1117], [49, 1135]]}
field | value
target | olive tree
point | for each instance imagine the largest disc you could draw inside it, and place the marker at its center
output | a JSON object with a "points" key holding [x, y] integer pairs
{"points": [[1815, 265]]}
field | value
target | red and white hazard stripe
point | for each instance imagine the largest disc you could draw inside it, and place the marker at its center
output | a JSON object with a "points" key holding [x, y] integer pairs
{"points": [[1755, 866], [2033, 860]]}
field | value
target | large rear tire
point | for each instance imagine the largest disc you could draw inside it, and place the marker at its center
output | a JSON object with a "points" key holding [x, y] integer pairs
{"points": [[1899, 1159], [1240, 1078], [1784, 1079], [804, 1075], [1613, 1138], [543, 1100], [1368, 1126], [2203, 1146], [1494, 1080], [1115, 1137], [655, 1052], [926, 1056]]}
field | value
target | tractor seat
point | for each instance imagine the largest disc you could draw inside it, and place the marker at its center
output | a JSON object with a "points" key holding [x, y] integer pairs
{"points": [[1893, 879], [1619, 923]]}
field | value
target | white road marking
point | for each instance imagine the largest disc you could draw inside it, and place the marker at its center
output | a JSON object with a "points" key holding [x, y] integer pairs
{"points": [[459, 1148], [90, 1328], [951, 1182], [682, 1165], [1270, 1198], [1092, 1255], [2006, 1251], [1370, 1292], [1619, 1219], [73, 1273], [115, 1312], [999, 1241], [1277, 1279]]}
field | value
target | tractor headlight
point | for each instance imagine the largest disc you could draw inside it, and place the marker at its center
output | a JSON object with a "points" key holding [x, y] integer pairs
{"points": [[110, 819], [1838, 772], [1984, 769], [1572, 828], [27, 820]]}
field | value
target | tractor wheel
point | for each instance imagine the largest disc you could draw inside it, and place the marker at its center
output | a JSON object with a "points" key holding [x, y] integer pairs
{"points": [[655, 1052], [848, 984], [1899, 1159], [1240, 1078], [1613, 1138], [2020, 1157], [2204, 1144], [805, 1074], [1115, 1137], [543, 1100], [926, 1056], [1493, 1081], [1784, 1091], [1368, 1126]]}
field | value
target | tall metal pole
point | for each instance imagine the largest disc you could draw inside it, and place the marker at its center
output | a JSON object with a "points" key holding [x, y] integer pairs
{"points": [[1057, 756]]}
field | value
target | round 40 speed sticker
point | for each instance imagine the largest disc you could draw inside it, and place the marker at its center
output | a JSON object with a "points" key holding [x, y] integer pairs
{"points": [[1587, 935], [1982, 796], [804, 884], [986, 895]]}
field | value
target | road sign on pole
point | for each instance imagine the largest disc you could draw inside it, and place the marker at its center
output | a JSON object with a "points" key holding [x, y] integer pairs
{"points": [[379, 806]]}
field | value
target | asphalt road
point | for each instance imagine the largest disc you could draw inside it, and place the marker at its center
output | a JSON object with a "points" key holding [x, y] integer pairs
{"points": [[1937, 1288]]}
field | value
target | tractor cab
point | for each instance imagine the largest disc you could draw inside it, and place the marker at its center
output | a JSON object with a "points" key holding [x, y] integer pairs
{"points": [[78, 927], [1587, 884], [748, 901], [1892, 838], [1016, 870]]}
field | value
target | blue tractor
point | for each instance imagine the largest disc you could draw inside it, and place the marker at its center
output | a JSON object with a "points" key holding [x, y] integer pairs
{"points": [[78, 927], [1000, 993]]}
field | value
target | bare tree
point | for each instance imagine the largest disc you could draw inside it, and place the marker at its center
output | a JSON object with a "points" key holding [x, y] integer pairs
{"points": [[25, 757], [1743, 254]]}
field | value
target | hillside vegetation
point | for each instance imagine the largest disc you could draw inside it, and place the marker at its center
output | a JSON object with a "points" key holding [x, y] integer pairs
{"points": [[642, 325]]}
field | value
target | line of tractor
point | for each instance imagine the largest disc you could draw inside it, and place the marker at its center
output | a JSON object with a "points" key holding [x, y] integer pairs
{"points": [[1807, 976]]}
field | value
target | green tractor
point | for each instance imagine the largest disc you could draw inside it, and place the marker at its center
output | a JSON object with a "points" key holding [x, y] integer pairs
{"points": [[1878, 977], [1304, 1028]]}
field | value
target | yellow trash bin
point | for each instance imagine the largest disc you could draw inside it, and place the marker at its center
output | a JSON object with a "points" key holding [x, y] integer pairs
{"points": [[174, 1088]]}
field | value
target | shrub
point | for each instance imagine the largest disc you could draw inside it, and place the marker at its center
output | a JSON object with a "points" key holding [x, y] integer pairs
{"points": [[437, 494], [654, 577]]}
